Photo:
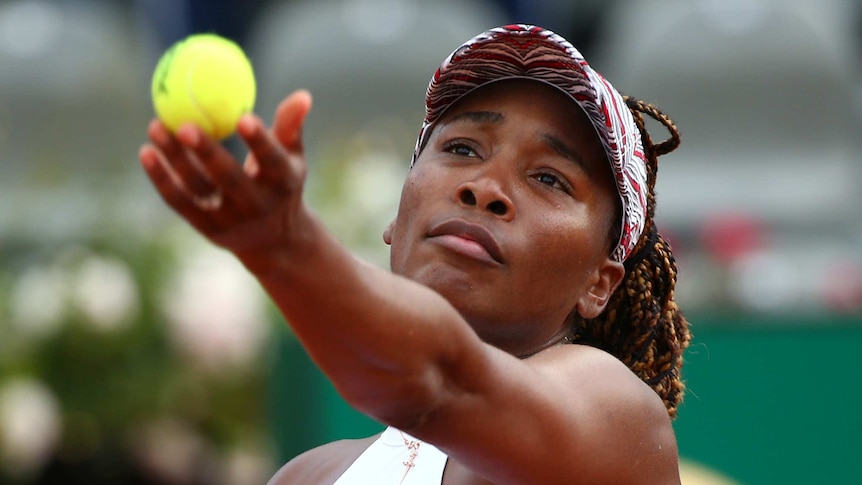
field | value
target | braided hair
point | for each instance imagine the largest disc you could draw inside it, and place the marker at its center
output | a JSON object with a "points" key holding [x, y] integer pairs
{"points": [[642, 324]]}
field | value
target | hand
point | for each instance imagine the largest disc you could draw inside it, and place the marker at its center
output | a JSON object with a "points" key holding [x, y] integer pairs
{"points": [[253, 208]]}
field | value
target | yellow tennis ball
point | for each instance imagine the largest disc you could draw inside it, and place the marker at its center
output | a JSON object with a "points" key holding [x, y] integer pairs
{"points": [[204, 79]]}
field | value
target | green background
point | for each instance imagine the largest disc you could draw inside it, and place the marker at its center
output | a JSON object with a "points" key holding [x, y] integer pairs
{"points": [[769, 400]]}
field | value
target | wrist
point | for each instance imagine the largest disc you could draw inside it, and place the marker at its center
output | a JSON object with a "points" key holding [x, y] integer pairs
{"points": [[289, 253]]}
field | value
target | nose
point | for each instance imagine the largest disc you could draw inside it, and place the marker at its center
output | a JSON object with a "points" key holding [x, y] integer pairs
{"points": [[486, 193]]}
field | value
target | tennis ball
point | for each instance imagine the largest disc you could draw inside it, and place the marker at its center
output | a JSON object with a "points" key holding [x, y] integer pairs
{"points": [[204, 79]]}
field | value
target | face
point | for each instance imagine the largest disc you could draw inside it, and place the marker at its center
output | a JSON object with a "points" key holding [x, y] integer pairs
{"points": [[507, 213]]}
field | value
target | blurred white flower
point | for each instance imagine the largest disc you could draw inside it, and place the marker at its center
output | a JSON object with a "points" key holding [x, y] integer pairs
{"points": [[30, 425], [105, 292], [216, 311], [247, 465], [169, 449], [374, 184], [38, 300], [368, 203]]}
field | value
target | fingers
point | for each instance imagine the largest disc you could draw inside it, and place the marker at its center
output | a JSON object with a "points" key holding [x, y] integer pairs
{"points": [[278, 158], [203, 183], [289, 118], [232, 189], [182, 166], [173, 193], [198, 177]]}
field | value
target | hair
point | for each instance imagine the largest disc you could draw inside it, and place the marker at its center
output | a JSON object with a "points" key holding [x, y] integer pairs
{"points": [[642, 324]]}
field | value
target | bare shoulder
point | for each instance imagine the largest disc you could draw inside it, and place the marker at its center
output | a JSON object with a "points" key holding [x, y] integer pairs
{"points": [[323, 464], [605, 382], [627, 420], [591, 420]]}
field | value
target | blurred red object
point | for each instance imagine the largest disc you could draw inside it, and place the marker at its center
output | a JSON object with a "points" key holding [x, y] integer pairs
{"points": [[842, 286], [730, 236]]}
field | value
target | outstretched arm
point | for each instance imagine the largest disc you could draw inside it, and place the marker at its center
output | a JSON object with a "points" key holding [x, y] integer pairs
{"points": [[395, 349], [370, 331]]}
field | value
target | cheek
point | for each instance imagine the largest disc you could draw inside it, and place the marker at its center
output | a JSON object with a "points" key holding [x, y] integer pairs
{"points": [[407, 226], [422, 187], [565, 252]]}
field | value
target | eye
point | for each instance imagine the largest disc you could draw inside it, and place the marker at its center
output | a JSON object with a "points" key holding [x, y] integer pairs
{"points": [[554, 181], [460, 148]]}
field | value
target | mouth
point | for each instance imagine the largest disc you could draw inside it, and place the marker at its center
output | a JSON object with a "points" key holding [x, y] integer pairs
{"points": [[467, 239]]}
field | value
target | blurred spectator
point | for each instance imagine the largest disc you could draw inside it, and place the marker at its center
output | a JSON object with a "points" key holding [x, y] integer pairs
{"points": [[578, 20], [172, 20]]}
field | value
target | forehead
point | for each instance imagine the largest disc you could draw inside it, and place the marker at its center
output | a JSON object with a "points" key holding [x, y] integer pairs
{"points": [[545, 97], [562, 117]]}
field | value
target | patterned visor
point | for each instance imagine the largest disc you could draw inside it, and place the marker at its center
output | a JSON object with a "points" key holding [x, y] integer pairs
{"points": [[530, 52]]}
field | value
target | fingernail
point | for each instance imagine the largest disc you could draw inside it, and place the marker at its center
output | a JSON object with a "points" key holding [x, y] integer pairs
{"points": [[246, 125], [188, 135], [157, 133]]}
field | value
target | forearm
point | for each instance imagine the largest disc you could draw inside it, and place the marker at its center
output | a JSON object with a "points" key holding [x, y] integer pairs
{"points": [[384, 341]]}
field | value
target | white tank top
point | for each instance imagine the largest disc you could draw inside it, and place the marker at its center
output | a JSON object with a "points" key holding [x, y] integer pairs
{"points": [[387, 459]]}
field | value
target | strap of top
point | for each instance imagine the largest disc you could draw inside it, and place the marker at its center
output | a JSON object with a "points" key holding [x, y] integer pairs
{"points": [[384, 463]]}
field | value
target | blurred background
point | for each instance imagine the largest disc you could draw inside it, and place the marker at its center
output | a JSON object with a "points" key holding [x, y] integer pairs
{"points": [[133, 352]]}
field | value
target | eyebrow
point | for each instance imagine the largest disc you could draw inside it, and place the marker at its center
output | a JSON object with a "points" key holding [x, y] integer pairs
{"points": [[481, 117], [567, 152]]}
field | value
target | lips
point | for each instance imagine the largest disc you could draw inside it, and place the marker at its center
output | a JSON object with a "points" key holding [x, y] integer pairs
{"points": [[469, 239]]}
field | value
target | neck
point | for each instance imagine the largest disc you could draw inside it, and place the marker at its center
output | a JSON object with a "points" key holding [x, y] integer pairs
{"points": [[559, 338]]}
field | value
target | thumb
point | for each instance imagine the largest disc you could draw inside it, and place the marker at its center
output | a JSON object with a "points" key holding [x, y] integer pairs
{"points": [[289, 119]]}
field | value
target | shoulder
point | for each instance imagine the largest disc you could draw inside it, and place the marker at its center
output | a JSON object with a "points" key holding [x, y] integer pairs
{"points": [[626, 420], [323, 464], [580, 368], [603, 384]]}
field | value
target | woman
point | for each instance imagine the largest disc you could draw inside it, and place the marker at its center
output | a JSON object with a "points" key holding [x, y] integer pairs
{"points": [[527, 332]]}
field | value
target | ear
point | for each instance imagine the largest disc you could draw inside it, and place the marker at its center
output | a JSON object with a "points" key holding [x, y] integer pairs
{"points": [[609, 276], [387, 233]]}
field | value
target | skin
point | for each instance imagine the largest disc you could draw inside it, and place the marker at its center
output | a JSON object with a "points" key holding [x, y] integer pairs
{"points": [[460, 343]]}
